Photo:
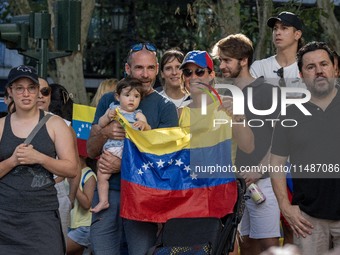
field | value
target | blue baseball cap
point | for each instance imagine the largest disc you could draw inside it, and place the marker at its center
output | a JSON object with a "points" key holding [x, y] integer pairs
{"points": [[198, 57]]}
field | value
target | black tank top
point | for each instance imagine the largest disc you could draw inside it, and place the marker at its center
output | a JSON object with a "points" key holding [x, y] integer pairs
{"points": [[27, 188]]}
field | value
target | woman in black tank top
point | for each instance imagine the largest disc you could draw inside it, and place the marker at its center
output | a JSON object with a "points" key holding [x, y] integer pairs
{"points": [[29, 217]]}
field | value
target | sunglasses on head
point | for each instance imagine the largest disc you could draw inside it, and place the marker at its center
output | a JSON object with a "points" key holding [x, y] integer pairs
{"points": [[188, 72], [45, 91], [140, 46]]}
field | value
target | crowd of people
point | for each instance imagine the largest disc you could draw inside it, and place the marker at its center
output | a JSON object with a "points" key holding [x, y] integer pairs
{"points": [[51, 202]]}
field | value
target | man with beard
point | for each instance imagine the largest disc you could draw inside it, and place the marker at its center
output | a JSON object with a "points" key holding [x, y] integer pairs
{"points": [[260, 225], [314, 214], [106, 228]]}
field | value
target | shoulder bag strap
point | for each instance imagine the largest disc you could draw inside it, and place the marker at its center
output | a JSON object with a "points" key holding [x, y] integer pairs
{"points": [[37, 128]]}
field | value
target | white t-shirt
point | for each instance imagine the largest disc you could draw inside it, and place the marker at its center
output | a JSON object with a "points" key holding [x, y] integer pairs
{"points": [[178, 102], [268, 68]]}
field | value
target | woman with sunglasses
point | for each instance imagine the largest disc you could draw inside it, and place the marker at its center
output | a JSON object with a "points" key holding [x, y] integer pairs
{"points": [[199, 75], [29, 217], [55, 99], [171, 77]]}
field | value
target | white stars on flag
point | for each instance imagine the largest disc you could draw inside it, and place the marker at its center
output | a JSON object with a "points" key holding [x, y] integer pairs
{"points": [[178, 162], [162, 165], [187, 168]]}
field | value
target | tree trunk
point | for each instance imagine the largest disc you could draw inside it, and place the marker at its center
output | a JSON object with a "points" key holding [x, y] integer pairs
{"points": [[264, 10], [70, 69], [228, 16], [330, 24]]}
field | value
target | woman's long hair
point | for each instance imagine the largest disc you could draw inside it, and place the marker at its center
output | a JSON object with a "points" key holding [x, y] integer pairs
{"points": [[61, 101]]}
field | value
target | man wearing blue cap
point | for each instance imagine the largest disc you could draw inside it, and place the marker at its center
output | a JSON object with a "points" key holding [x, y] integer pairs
{"points": [[281, 69]]}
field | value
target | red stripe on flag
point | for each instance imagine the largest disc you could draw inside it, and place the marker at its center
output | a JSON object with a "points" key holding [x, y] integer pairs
{"points": [[154, 205], [82, 147]]}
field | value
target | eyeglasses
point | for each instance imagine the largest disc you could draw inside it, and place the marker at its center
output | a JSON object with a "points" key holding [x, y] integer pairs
{"points": [[188, 72], [282, 82], [140, 46], [20, 90], [45, 91]]}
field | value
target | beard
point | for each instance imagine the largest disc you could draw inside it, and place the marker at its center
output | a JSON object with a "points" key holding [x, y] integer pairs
{"points": [[236, 72], [321, 91]]}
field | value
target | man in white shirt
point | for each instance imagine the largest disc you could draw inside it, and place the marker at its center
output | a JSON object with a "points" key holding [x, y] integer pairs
{"points": [[281, 69]]}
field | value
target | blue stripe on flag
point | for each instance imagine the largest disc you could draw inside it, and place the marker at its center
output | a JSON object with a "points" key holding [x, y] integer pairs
{"points": [[175, 171], [82, 129]]}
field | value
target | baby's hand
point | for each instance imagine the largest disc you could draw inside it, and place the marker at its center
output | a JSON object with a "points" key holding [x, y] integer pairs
{"points": [[141, 125], [111, 114]]}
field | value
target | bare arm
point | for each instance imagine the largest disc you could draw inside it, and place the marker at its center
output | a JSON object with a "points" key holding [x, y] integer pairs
{"points": [[98, 137], [8, 164], [106, 118], [85, 197], [74, 182], [244, 137], [292, 213], [141, 122], [242, 134], [254, 176]]}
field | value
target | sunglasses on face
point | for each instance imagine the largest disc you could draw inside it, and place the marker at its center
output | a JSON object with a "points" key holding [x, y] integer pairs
{"points": [[45, 91], [140, 46], [188, 72]]}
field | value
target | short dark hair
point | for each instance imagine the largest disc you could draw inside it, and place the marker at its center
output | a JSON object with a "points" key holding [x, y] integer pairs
{"points": [[131, 83], [236, 46], [313, 46], [170, 55]]}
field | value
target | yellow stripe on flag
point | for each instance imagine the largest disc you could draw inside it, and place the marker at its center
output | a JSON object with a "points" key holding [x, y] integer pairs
{"points": [[83, 112], [157, 141], [168, 140]]}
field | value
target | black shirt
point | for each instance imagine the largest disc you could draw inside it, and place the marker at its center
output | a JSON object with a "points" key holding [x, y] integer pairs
{"points": [[313, 147]]}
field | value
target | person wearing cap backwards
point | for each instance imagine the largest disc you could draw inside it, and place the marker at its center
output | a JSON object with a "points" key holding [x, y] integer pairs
{"points": [[281, 69], [29, 217]]}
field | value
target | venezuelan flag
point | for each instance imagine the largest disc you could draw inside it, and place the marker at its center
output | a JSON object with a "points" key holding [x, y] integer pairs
{"points": [[160, 178], [82, 117]]}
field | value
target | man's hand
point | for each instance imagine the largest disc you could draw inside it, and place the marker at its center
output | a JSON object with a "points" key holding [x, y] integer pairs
{"points": [[299, 224], [250, 177], [227, 105], [108, 163], [114, 131]]}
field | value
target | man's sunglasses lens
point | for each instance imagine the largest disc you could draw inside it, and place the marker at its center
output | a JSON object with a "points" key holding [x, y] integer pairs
{"points": [[198, 72], [45, 91]]}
